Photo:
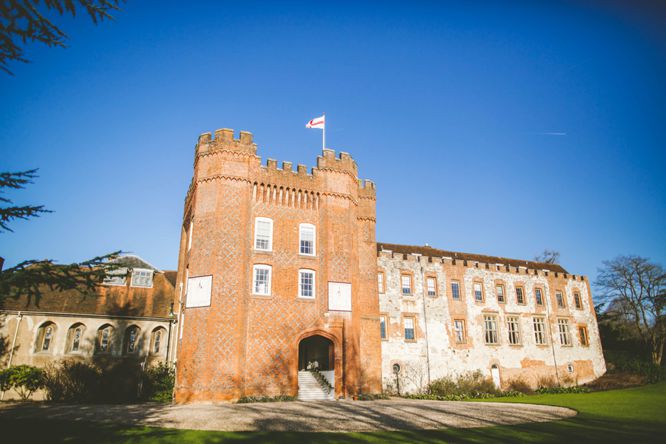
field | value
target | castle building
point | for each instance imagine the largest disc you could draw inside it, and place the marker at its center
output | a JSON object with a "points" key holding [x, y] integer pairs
{"points": [[279, 271]]}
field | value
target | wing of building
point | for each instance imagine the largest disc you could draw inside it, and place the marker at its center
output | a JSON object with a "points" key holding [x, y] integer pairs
{"points": [[128, 317]]}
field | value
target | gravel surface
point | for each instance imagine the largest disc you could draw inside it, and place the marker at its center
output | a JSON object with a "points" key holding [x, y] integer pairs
{"points": [[321, 416]]}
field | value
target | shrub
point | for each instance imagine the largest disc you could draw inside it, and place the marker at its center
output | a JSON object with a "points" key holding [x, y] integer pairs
{"points": [[73, 381], [630, 363], [24, 379], [557, 390], [372, 396], [470, 385], [520, 385], [279, 398], [546, 382], [158, 382]]}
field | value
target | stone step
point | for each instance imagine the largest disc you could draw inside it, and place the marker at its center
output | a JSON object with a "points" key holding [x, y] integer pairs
{"points": [[309, 389]]}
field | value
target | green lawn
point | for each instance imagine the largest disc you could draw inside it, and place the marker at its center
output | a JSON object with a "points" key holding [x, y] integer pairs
{"points": [[635, 415]]}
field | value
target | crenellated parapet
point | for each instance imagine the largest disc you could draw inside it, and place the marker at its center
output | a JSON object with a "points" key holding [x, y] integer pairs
{"points": [[224, 141], [223, 157]]}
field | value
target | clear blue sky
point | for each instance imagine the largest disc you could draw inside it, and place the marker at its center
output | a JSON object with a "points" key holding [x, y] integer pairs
{"points": [[500, 127]]}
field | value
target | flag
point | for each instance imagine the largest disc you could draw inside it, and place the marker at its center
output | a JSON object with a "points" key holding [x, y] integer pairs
{"points": [[317, 122]]}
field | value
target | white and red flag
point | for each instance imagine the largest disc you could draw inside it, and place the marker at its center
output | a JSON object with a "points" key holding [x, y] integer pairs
{"points": [[319, 122]]}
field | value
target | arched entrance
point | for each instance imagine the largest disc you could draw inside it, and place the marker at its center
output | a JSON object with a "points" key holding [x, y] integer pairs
{"points": [[316, 368], [316, 349]]}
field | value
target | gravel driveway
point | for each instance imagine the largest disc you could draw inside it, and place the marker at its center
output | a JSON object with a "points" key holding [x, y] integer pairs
{"points": [[322, 416]]}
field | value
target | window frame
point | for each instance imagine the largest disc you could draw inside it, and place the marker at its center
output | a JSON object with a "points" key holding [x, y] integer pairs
{"points": [[561, 301], [314, 239], [460, 335], [520, 290], [564, 334], [381, 281], [301, 272], [108, 348], [46, 332], [404, 328], [538, 290], [71, 337], [139, 274], [482, 292], [455, 294], [269, 279], [490, 333], [514, 334], [411, 284], [257, 220], [503, 292], [583, 336], [432, 279], [383, 321], [540, 333], [136, 345], [578, 300]]}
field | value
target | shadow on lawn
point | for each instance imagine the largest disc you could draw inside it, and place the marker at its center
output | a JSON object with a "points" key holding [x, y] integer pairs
{"points": [[584, 428]]}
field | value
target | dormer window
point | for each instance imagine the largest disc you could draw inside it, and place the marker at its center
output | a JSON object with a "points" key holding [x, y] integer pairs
{"points": [[142, 278], [116, 277]]}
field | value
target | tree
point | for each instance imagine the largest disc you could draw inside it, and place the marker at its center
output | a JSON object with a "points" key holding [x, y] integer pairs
{"points": [[548, 257], [635, 288], [17, 181], [30, 277], [23, 21]]}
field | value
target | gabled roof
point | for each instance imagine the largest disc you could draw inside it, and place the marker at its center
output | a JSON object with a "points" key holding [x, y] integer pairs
{"points": [[134, 261], [434, 252]]}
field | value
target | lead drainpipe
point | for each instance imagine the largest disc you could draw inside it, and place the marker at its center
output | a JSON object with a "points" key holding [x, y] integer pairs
{"points": [[425, 319], [19, 317], [552, 342]]}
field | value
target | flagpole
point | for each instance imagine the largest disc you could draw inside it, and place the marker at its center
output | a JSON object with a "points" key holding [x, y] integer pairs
{"points": [[323, 134]]}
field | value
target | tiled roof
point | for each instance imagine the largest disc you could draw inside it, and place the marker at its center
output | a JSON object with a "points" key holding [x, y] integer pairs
{"points": [[434, 252]]}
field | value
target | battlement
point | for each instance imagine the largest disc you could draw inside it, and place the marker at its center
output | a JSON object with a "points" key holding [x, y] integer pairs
{"points": [[342, 163], [224, 140]]}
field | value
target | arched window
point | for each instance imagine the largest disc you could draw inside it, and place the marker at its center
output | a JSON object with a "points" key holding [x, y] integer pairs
{"points": [[105, 338], [75, 338], [45, 337], [132, 335], [158, 340]]}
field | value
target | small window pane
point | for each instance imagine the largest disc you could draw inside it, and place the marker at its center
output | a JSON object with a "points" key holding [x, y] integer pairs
{"points": [[307, 236], [459, 326], [306, 284], [455, 290], [382, 326], [560, 299], [500, 293], [263, 237], [478, 292], [538, 296], [520, 297], [262, 280], [409, 328], [577, 301], [406, 284], [431, 287]]}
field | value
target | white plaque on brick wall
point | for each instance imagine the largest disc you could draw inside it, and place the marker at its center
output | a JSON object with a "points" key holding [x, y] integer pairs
{"points": [[339, 296], [198, 291]]}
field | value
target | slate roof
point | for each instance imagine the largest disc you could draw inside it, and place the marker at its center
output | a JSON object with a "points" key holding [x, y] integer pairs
{"points": [[434, 252]]}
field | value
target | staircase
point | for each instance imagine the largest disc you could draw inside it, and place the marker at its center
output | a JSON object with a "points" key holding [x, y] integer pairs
{"points": [[310, 390]]}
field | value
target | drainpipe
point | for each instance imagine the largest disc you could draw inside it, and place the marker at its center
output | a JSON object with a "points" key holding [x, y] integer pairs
{"points": [[425, 318], [552, 343], [11, 352], [19, 317]]}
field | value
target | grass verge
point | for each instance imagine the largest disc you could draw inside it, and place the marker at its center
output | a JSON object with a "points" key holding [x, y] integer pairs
{"points": [[629, 415]]}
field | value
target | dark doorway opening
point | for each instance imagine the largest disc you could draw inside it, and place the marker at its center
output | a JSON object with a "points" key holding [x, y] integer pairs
{"points": [[315, 349]]}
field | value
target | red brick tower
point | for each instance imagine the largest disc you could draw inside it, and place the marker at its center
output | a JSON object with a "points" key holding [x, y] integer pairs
{"points": [[247, 336]]}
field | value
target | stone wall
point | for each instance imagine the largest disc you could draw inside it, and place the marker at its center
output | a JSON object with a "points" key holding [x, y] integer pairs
{"points": [[435, 352]]}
